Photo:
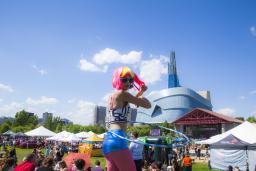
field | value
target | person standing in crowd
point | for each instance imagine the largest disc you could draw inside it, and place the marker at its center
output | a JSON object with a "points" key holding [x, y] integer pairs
{"points": [[7, 164], [79, 165], [115, 149], [47, 165], [230, 168], [47, 151], [63, 166], [28, 164], [58, 155], [196, 152], [237, 168], [187, 163], [199, 153], [156, 166], [12, 154], [97, 166], [137, 150]]}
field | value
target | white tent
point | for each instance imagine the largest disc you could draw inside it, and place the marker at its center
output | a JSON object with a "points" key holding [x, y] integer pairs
{"points": [[83, 135], [59, 135], [243, 132], [9, 133], [64, 136], [91, 133], [227, 153], [40, 132], [70, 138], [101, 135]]}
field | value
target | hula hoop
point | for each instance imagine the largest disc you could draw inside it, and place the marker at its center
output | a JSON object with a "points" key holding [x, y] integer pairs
{"points": [[156, 145]]}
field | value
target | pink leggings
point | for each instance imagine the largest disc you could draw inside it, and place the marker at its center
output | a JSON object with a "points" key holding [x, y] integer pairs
{"points": [[120, 160]]}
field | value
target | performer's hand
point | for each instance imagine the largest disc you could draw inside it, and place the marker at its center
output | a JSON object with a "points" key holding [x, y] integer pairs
{"points": [[144, 88]]}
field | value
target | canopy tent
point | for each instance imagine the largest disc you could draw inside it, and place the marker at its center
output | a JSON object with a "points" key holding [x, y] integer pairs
{"points": [[70, 138], [228, 151], [91, 133], [40, 132], [252, 156], [64, 136], [233, 147], [20, 134], [93, 138], [91, 146], [59, 135], [101, 135], [83, 134], [9, 133], [242, 132]]}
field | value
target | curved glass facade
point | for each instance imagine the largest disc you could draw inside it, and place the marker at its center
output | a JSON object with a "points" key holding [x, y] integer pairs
{"points": [[170, 104]]}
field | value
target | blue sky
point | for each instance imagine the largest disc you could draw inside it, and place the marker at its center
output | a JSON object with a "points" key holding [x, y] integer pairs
{"points": [[58, 56]]}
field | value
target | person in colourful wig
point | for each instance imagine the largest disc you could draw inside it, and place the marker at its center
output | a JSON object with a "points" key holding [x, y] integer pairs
{"points": [[115, 149]]}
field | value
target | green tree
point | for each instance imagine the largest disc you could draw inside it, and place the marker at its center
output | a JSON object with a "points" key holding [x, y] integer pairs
{"points": [[23, 118], [251, 119], [49, 123], [56, 121], [4, 127], [240, 118], [143, 130], [59, 127]]}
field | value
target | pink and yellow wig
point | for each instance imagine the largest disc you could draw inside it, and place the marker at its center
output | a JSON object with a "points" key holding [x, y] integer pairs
{"points": [[125, 72]]}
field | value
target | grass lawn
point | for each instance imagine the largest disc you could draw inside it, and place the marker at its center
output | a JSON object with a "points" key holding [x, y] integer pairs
{"points": [[23, 152], [201, 167]]}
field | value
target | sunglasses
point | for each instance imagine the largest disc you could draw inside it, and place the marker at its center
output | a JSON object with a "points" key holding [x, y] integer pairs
{"points": [[125, 80]]}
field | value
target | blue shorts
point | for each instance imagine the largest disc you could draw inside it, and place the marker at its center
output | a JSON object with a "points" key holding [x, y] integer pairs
{"points": [[114, 143]]}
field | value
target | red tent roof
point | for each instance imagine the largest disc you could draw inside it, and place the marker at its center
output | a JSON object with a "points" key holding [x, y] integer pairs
{"points": [[200, 116]]}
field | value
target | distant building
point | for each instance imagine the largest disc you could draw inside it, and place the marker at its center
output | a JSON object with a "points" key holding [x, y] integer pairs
{"points": [[46, 115], [202, 123], [66, 121], [100, 115], [175, 101], [30, 114]]}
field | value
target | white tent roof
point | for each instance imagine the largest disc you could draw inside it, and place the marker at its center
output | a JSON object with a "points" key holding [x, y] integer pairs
{"points": [[245, 132], [83, 135], [91, 133], [40, 132], [64, 136], [59, 135], [9, 133], [101, 135], [70, 138]]}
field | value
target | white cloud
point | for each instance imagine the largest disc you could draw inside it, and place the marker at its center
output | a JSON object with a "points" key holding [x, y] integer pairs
{"points": [[4, 87], [253, 30], [109, 56], [253, 92], [226, 111], [242, 97], [84, 65], [39, 70], [70, 101], [82, 112], [105, 98], [85, 113], [151, 70], [42, 101], [10, 109], [1, 100]]}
